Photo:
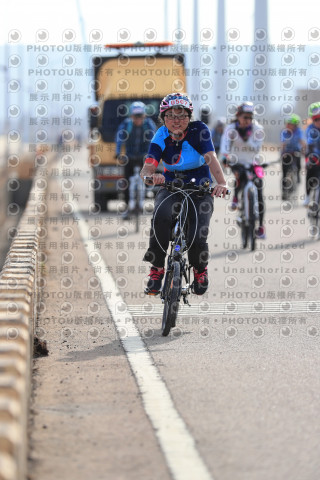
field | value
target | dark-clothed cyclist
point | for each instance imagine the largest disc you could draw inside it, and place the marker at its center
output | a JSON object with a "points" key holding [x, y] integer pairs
{"points": [[292, 145], [216, 134], [185, 147], [134, 134]]}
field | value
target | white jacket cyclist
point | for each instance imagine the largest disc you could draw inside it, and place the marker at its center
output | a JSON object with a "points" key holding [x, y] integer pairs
{"points": [[240, 150]]}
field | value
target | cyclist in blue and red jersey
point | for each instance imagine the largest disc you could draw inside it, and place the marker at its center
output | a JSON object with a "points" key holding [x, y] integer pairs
{"points": [[292, 145], [186, 150], [313, 149]]}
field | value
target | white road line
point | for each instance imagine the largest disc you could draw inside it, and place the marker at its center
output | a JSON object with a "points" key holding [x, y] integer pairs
{"points": [[149, 309], [176, 442]]}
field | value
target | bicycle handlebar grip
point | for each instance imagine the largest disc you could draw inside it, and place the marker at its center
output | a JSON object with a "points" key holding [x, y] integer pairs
{"points": [[148, 180], [227, 193]]}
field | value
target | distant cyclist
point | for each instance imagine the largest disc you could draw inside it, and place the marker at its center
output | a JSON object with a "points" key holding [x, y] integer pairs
{"points": [[217, 132], [292, 145], [313, 149], [241, 142], [185, 148], [133, 138]]}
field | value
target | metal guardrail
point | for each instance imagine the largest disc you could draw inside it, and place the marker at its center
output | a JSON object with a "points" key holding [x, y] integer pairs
{"points": [[20, 284]]}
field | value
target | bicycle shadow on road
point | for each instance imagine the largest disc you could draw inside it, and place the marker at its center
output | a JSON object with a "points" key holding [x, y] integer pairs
{"points": [[115, 348], [157, 339]]}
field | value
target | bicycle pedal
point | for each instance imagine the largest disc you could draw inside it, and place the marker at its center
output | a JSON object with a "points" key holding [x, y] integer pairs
{"points": [[149, 292], [239, 221]]}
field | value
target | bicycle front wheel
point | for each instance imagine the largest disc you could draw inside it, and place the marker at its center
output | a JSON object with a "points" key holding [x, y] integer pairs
{"points": [[137, 219], [290, 182], [249, 223], [314, 207], [252, 221], [244, 234], [171, 298]]}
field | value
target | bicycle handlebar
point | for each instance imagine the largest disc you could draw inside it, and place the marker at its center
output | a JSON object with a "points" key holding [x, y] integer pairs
{"points": [[251, 167], [178, 185]]}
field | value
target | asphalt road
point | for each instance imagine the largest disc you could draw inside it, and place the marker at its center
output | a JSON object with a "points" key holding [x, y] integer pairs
{"points": [[241, 367]]}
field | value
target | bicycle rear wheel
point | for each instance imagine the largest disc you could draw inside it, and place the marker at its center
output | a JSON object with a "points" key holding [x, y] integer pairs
{"points": [[171, 298]]}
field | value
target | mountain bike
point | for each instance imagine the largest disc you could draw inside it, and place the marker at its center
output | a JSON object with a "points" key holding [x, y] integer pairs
{"points": [[177, 282], [249, 205], [290, 174]]}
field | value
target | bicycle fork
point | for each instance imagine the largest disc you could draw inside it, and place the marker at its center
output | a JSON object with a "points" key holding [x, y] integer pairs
{"points": [[185, 290]]}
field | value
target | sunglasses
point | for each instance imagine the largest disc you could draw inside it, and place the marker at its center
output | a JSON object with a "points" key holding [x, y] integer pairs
{"points": [[247, 117], [174, 117]]}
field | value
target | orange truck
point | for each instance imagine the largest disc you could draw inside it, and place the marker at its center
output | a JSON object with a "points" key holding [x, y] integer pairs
{"points": [[134, 72]]}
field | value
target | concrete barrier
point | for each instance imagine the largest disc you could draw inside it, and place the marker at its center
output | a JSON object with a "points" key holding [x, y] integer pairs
{"points": [[20, 284]]}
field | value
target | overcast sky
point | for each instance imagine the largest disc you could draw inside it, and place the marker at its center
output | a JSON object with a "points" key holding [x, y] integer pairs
{"points": [[30, 27], [107, 19]]}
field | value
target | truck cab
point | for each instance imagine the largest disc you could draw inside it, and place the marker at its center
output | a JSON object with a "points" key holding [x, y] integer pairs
{"points": [[137, 72]]}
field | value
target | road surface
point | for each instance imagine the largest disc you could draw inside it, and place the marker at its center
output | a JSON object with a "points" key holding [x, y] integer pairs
{"points": [[231, 394]]}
